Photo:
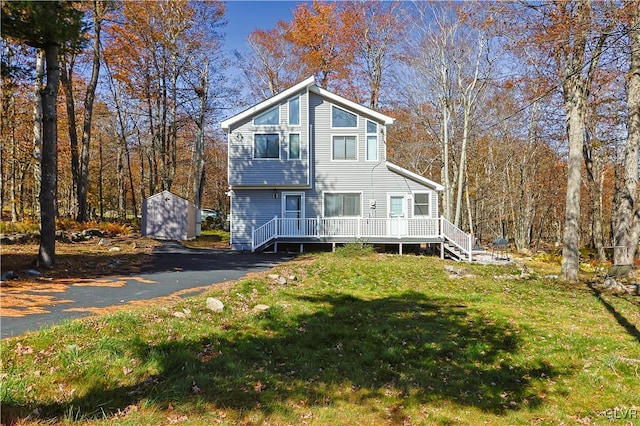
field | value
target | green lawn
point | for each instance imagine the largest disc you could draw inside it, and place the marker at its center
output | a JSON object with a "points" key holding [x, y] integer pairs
{"points": [[357, 338]]}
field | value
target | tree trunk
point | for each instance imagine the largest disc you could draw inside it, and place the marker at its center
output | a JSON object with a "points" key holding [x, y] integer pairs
{"points": [[202, 91], [13, 177], [576, 89], [628, 224], [37, 128], [49, 163], [83, 181], [574, 104], [66, 78], [594, 179]]}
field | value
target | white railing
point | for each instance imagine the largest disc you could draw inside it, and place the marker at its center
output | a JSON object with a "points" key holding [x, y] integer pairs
{"points": [[357, 228], [456, 236]]}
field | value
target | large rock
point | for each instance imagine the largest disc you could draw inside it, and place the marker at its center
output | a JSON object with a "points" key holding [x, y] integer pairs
{"points": [[92, 232], [214, 304], [261, 308]]}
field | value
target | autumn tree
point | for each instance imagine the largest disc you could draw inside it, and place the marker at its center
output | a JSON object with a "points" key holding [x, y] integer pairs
{"points": [[564, 41], [448, 68], [268, 66], [46, 26], [377, 29], [155, 58], [321, 41]]}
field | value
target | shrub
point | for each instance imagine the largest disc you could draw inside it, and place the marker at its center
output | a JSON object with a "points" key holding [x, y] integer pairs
{"points": [[355, 249]]}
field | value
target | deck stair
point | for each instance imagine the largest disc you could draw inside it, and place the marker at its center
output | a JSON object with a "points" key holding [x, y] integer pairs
{"points": [[453, 252]]}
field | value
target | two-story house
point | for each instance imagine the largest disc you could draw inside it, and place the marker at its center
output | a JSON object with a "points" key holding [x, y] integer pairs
{"points": [[307, 166]]}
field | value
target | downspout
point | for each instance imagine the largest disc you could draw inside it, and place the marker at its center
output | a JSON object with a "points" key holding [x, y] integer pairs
{"points": [[380, 160], [230, 190]]}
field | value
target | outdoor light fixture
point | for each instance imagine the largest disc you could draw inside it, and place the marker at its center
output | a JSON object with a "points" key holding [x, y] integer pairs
{"points": [[239, 136], [275, 193]]}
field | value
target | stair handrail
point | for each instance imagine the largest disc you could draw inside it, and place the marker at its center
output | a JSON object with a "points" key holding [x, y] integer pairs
{"points": [[264, 233], [456, 236]]}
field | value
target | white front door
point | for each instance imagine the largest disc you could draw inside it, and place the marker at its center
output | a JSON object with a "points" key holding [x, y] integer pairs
{"points": [[397, 215], [293, 213]]}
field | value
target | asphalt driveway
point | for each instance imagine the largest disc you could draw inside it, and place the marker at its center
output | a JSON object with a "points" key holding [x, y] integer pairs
{"points": [[174, 269]]}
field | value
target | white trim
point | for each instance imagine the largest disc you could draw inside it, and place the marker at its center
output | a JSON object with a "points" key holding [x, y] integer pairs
{"points": [[413, 204], [267, 103], [350, 104], [405, 213], [284, 205], [346, 135], [253, 120], [343, 192], [366, 141], [299, 111], [289, 145], [253, 145], [413, 176], [332, 127]]}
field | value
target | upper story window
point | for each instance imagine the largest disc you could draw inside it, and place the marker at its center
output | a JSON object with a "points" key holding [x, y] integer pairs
{"points": [[268, 118], [266, 145], [422, 204], [345, 148], [294, 111], [294, 146], [372, 141], [342, 118]]}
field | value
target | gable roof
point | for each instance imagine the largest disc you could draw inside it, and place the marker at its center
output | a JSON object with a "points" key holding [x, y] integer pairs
{"points": [[414, 176], [355, 106], [310, 84]]}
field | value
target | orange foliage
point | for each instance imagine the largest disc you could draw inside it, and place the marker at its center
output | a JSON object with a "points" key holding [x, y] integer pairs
{"points": [[321, 40]]}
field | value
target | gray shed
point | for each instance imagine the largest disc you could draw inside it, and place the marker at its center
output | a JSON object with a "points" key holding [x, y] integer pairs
{"points": [[166, 216]]}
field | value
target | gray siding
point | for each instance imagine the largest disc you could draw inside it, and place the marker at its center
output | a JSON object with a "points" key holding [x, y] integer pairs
{"points": [[252, 208], [166, 216], [373, 179], [244, 170]]}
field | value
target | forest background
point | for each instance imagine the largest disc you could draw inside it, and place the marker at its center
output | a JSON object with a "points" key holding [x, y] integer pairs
{"points": [[527, 113]]}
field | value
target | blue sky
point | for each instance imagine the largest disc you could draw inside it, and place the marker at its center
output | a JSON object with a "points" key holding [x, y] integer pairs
{"points": [[245, 16]]}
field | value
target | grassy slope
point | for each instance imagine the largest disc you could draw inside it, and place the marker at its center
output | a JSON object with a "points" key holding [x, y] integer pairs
{"points": [[362, 340]]}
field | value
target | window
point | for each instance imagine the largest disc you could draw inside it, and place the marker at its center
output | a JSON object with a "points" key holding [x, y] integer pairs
{"points": [[372, 141], [344, 148], [268, 118], [294, 111], [266, 145], [421, 204], [345, 204], [342, 118], [294, 146]]}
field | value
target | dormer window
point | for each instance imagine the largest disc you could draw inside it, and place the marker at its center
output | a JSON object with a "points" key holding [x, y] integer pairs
{"points": [[341, 118], [268, 118]]}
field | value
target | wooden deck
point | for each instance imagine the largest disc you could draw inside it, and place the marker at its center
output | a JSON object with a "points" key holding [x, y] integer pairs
{"points": [[366, 230]]}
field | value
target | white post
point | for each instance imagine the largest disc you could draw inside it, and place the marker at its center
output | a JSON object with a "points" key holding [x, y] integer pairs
{"points": [[275, 226], [253, 239]]}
